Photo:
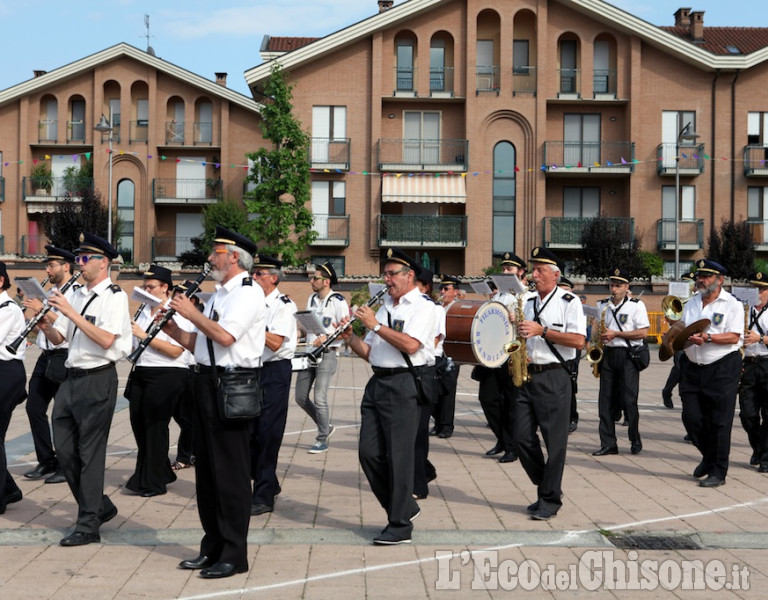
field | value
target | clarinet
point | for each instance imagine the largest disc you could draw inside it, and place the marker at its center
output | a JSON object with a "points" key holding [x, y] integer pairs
{"points": [[317, 352], [158, 325], [32, 323]]}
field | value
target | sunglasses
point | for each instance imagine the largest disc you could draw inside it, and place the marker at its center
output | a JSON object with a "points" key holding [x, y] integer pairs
{"points": [[82, 259]]}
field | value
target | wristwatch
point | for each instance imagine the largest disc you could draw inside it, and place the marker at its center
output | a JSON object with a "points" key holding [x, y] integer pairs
{"points": [[376, 329], [544, 333], [709, 338]]}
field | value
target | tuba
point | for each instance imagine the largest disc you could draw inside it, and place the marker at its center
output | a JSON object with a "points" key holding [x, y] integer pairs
{"points": [[595, 350]]}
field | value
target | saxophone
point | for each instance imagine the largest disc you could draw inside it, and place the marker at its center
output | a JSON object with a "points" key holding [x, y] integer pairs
{"points": [[517, 350], [595, 350]]}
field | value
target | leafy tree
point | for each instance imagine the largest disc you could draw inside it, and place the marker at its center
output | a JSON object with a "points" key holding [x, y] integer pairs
{"points": [[283, 223], [229, 214], [733, 247], [652, 263], [604, 247]]}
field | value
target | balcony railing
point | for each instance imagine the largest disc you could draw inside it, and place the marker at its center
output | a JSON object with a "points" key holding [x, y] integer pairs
{"points": [[203, 133], [423, 155], [2, 244], [441, 81], [332, 230], [186, 191], [589, 157], [690, 234], [169, 248], [413, 230], [115, 135], [139, 131], [46, 189], [756, 161], [691, 159], [405, 79], [2, 189], [76, 132], [570, 82], [33, 245], [327, 153], [174, 132], [604, 82], [759, 230], [487, 78], [565, 232], [47, 131], [524, 80]]}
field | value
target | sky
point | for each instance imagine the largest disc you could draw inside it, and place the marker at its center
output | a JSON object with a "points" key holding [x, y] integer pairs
{"points": [[225, 35]]}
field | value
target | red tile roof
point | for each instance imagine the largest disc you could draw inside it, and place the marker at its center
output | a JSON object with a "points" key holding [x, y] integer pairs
{"points": [[287, 44], [717, 39]]}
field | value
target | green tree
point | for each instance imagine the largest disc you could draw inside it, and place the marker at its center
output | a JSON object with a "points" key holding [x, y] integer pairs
{"points": [[605, 247], [283, 223], [229, 214], [733, 247]]}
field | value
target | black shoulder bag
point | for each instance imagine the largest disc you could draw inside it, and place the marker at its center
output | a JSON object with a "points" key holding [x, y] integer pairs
{"points": [[639, 355]]}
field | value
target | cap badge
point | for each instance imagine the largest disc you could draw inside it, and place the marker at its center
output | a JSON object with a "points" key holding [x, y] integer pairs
{"points": [[535, 251], [82, 237], [389, 253], [701, 264], [617, 272], [759, 276]]}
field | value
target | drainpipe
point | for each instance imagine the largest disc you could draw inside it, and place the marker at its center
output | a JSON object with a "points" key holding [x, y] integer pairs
{"points": [[712, 152], [733, 146]]}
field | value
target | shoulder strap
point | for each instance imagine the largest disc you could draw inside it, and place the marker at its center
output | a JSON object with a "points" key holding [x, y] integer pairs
{"points": [[6, 303]]}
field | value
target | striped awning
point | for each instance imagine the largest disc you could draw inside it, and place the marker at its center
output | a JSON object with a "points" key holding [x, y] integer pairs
{"points": [[424, 188]]}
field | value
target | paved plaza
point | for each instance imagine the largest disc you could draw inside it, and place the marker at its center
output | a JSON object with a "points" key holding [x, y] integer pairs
{"points": [[473, 538]]}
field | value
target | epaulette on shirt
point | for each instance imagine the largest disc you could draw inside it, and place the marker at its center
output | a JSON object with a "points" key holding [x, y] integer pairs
{"points": [[634, 299], [6, 303], [114, 288], [568, 297], [76, 286], [247, 281], [608, 299], [286, 299], [337, 296]]}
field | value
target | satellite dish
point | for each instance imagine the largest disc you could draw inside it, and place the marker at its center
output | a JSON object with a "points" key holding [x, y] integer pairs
{"points": [[151, 51]]}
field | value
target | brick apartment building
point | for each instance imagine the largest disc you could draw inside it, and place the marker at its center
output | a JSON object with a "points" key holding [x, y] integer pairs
{"points": [[464, 128]]}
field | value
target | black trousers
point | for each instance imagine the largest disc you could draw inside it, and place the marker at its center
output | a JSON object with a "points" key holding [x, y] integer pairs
{"points": [[154, 393], [423, 470], [497, 398], [184, 415], [544, 404], [708, 393], [389, 419], [673, 378], [222, 478], [268, 429], [41, 392], [12, 393], [574, 365], [619, 386], [445, 408], [82, 416], [753, 407]]}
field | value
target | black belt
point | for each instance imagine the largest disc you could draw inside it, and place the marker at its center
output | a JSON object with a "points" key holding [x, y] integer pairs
{"points": [[384, 371], [56, 352], [755, 359], [74, 372], [209, 370], [532, 368], [709, 365]]}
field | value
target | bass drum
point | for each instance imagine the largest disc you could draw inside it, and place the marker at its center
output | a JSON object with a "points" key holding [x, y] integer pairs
{"points": [[476, 332]]}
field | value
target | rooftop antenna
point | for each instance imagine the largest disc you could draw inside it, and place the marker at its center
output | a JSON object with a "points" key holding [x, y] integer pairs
{"points": [[150, 50]]}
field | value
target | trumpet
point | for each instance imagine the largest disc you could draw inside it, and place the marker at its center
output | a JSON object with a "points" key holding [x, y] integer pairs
{"points": [[13, 347], [157, 326]]}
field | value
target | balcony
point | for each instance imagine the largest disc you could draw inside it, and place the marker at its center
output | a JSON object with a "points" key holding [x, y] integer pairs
{"points": [[47, 131], [690, 234], [203, 133], [604, 84], [441, 82], [33, 245], [76, 132], [487, 79], [41, 196], [565, 232], [423, 155], [328, 153], [115, 134], [2, 244], [691, 159], [524, 80], [2, 189], [169, 248], [601, 158], [405, 82], [755, 158], [570, 83], [182, 192], [174, 132], [332, 230], [759, 230], [139, 131], [421, 231]]}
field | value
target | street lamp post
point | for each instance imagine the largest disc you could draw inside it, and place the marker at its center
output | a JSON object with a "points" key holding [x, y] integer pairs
{"points": [[105, 126], [685, 134]]}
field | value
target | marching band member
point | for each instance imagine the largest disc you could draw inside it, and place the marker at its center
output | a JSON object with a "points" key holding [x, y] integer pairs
{"points": [[445, 408], [567, 285]]}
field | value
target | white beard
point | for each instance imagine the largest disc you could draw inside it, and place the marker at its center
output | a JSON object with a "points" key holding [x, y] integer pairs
{"points": [[217, 275]]}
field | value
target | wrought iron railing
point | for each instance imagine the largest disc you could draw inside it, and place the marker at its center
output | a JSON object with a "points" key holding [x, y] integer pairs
{"points": [[565, 232], [604, 81], [415, 230], [690, 234], [405, 79], [570, 81], [423, 154]]}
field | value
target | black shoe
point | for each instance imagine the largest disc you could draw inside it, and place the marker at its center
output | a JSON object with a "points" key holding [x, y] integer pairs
{"points": [[701, 470], [434, 431], [109, 515], [432, 476], [572, 426], [712, 481], [508, 457], [387, 538], [12, 497], [636, 448], [532, 508], [80, 538], [57, 477], [762, 469], [415, 515], [39, 472], [220, 570], [260, 509], [606, 450], [445, 433], [152, 493], [497, 449], [542, 514], [668, 402], [625, 423], [754, 460], [199, 562]]}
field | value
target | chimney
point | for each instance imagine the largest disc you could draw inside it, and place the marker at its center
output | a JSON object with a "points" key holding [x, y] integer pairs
{"points": [[683, 17], [39, 73], [385, 5], [697, 26], [221, 79]]}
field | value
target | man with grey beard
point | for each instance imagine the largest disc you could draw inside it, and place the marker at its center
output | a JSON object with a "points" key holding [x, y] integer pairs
{"points": [[710, 370]]}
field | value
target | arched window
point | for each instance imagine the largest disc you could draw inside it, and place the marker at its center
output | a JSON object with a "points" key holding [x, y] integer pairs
{"points": [[504, 191], [126, 192]]}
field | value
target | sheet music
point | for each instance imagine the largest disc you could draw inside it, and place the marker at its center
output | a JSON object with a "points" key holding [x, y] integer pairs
{"points": [[309, 323], [144, 297], [481, 287], [747, 295], [509, 283], [591, 312], [31, 288], [681, 289]]}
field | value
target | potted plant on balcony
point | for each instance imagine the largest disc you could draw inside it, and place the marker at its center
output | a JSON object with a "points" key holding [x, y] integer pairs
{"points": [[41, 179]]}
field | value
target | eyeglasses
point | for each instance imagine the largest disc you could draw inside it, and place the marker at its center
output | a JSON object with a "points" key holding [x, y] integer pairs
{"points": [[260, 273], [393, 273], [446, 287], [221, 251], [149, 287], [82, 259]]}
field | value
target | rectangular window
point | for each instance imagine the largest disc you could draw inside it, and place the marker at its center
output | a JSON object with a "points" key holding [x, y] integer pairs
{"points": [[437, 66], [687, 202], [142, 112], [405, 66], [520, 59], [336, 261], [329, 197], [581, 202], [581, 139], [757, 129], [757, 213], [421, 137]]}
